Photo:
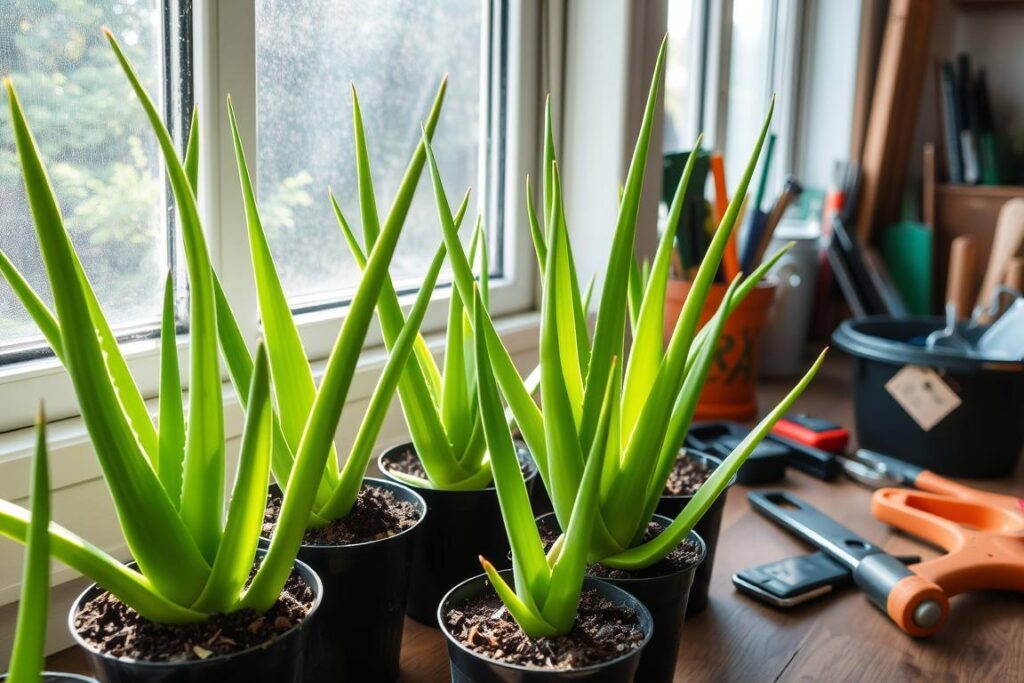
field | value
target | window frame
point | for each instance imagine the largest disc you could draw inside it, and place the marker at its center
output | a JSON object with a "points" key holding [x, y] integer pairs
{"points": [[223, 42]]}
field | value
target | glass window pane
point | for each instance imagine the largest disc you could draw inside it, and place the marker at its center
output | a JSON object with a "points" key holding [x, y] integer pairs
{"points": [[396, 52], [682, 77], [750, 64], [98, 148]]}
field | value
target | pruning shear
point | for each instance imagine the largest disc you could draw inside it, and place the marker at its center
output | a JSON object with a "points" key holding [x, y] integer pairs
{"points": [[981, 532]]}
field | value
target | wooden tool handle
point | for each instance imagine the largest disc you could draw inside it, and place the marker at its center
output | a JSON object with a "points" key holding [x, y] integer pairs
{"points": [[1007, 241], [1015, 274], [962, 257]]}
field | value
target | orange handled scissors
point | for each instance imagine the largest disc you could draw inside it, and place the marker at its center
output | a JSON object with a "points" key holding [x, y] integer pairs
{"points": [[981, 532]]}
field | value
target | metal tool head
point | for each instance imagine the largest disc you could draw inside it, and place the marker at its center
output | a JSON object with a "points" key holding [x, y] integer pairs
{"points": [[948, 337]]}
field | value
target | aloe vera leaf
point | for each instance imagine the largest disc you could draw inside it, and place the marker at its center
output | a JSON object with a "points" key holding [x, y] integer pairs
{"points": [[172, 410], [33, 303], [517, 394], [344, 496], [202, 486], [419, 406], [30, 631], [611, 316], [134, 589], [539, 246], [318, 436], [646, 554], [293, 383], [649, 336], [568, 570], [248, 500], [528, 562], [561, 383], [159, 541], [529, 620]]}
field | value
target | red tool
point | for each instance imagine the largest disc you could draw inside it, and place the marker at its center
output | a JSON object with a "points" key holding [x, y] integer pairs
{"points": [[814, 432], [981, 532]]}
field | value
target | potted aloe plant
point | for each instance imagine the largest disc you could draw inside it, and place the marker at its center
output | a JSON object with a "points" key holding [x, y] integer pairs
{"points": [[207, 612], [446, 462], [30, 631], [360, 531], [544, 620], [654, 394]]}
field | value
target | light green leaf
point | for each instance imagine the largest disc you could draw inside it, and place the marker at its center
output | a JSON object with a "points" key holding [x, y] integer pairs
{"points": [[30, 631], [172, 411]]}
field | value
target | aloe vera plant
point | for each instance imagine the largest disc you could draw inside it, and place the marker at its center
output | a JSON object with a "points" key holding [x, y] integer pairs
{"points": [[293, 383], [30, 631], [652, 396], [194, 554]]}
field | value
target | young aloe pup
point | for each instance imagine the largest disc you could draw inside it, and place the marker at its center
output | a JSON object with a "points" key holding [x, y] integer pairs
{"points": [[30, 631], [655, 394], [194, 554]]}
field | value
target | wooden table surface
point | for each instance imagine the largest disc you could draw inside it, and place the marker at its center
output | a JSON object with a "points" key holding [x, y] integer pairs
{"points": [[841, 637]]}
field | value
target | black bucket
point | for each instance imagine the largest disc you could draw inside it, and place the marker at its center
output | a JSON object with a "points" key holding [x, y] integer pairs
{"points": [[666, 598], [279, 662], [469, 667], [981, 437], [357, 634], [707, 528], [460, 527]]}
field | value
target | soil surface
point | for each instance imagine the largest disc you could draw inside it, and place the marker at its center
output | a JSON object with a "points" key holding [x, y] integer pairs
{"points": [[115, 629], [377, 514], [409, 463], [683, 556], [603, 631], [687, 476]]}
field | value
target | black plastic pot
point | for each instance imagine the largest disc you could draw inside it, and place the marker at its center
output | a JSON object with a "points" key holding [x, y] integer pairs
{"points": [[469, 667], [357, 634], [981, 437], [707, 528], [279, 662], [460, 527], [665, 597], [55, 677]]}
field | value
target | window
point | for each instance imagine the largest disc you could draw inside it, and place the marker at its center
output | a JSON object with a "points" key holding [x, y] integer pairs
{"points": [[287, 65], [103, 161], [307, 53], [725, 61]]}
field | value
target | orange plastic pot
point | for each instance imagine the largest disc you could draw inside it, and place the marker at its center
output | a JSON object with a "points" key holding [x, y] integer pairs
{"points": [[729, 390]]}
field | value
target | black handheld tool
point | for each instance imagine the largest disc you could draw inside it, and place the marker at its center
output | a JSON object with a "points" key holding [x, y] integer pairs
{"points": [[882, 577], [795, 580]]}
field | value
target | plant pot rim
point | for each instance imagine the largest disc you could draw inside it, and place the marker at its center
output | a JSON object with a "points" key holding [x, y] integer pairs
{"points": [[383, 483], [308, 575], [686, 451], [61, 674], [643, 616], [664, 521], [530, 473]]}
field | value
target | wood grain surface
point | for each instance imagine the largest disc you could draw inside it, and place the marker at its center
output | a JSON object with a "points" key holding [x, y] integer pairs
{"points": [[841, 637]]}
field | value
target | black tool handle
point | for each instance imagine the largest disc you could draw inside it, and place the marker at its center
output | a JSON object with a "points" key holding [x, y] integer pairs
{"points": [[810, 460], [813, 526]]}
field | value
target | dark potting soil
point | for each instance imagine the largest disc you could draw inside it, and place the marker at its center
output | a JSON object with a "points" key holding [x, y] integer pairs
{"points": [[687, 476], [377, 514], [603, 631], [684, 555], [409, 463], [115, 629]]}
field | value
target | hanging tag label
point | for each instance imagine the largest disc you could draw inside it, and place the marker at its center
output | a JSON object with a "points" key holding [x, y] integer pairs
{"points": [[923, 394]]}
